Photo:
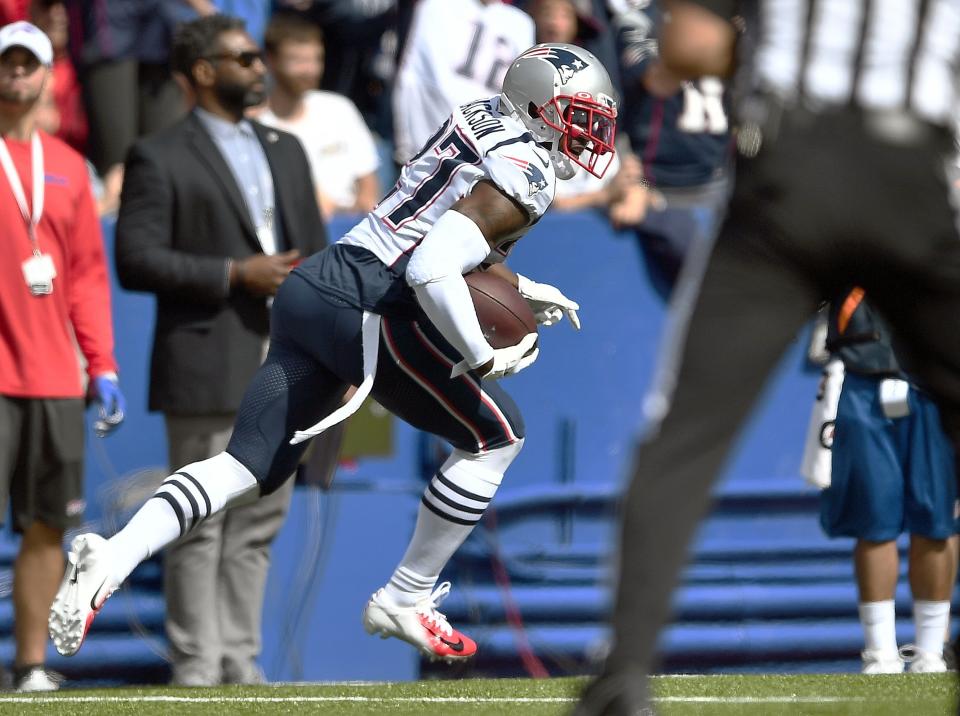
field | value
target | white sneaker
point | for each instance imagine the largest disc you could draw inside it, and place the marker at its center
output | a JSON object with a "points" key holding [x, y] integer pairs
{"points": [[38, 679], [881, 661], [86, 586], [421, 625], [922, 662]]}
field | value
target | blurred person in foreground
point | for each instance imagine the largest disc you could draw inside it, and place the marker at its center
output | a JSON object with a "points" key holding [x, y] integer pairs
{"points": [[54, 295], [387, 309], [840, 181], [214, 214], [342, 155]]}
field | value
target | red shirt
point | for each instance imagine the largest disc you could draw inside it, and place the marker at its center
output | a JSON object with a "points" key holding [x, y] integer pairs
{"points": [[38, 358]]}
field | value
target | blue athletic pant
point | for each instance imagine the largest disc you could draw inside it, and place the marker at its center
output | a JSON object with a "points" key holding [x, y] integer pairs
{"points": [[889, 475]]}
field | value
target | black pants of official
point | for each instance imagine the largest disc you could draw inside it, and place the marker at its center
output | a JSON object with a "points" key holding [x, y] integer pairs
{"points": [[824, 205]]}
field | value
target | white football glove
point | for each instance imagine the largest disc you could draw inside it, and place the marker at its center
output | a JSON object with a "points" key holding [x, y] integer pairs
{"points": [[506, 361], [547, 303]]}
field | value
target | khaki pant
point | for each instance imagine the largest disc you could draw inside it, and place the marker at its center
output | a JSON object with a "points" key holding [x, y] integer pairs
{"points": [[214, 578]]}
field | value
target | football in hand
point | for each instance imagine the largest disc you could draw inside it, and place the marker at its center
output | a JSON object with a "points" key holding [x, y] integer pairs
{"points": [[504, 315]]}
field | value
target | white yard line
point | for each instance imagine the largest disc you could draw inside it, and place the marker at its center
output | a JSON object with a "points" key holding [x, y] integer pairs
{"points": [[759, 699], [281, 699], [409, 699]]}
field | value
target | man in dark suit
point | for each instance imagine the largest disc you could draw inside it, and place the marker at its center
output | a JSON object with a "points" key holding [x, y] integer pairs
{"points": [[215, 212]]}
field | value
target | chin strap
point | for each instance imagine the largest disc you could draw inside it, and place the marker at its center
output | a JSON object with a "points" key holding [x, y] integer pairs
{"points": [[562, 165], [370, 332]]}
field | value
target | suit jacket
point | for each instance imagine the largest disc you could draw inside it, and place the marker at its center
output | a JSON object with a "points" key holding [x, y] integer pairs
{"points": [[181, 216]]}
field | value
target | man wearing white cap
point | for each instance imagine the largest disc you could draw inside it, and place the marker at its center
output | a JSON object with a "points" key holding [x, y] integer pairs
{"points": [[53, 287]]}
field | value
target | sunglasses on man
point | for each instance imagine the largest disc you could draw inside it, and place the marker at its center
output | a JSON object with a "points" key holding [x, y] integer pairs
{"points": [[244, 58]]}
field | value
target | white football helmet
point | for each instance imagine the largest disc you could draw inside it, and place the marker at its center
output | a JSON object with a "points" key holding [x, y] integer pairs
{"points": [[563, 95]]}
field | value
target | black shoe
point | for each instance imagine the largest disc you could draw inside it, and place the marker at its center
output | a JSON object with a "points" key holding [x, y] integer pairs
{"points": [[951, 654], [615, 695]]}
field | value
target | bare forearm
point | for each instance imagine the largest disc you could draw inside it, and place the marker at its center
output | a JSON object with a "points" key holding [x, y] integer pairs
{"points": [[368, 191], [505, 273]]}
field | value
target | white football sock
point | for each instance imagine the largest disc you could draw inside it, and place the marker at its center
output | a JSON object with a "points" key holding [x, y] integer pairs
{"points": [[452, 504], [183, 500], [434, 541], [879, 622], [930, 620]]}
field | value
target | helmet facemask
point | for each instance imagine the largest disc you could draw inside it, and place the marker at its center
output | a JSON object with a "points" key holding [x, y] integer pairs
{"points": [[563, 95], [585, 130]]}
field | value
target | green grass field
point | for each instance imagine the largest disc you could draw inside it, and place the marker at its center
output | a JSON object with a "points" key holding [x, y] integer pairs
{"points": [[907, 695]]}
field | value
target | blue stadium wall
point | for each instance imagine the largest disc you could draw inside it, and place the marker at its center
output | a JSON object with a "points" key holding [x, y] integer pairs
{"points": [[764, 590]]}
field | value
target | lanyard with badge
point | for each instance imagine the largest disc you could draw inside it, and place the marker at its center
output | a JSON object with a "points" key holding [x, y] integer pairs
{"points": [[38, 270]]}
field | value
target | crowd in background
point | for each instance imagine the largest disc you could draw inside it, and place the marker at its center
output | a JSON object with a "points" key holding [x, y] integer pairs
{"points": [[400, 65]]}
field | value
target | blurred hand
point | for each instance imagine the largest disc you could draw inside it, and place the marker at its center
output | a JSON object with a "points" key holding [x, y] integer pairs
{"points": [[262, 275], [109, 203], [631, 208], [111, 405], [631, 170]]}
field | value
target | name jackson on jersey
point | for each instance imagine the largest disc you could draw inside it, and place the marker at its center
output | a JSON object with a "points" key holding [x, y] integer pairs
{"points": [[476, 143], [482, 119]]}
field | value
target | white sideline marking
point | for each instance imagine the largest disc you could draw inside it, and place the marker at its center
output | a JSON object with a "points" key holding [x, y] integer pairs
{"points": [[412, 699], [759, 699]]}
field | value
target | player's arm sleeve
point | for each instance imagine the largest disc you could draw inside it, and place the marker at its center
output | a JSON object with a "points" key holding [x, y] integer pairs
{"points": [[524, 174], [88, 287], [146, 259], [454, 246]]}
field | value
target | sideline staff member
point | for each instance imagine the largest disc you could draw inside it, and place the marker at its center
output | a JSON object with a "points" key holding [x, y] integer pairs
{"points": [[53, 286]]}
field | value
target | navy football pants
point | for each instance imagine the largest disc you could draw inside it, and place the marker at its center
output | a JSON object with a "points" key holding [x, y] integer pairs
{"points": [[315, 354]]}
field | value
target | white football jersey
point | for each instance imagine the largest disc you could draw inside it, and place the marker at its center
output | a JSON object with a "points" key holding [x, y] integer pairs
{"points": [[477, 142]]}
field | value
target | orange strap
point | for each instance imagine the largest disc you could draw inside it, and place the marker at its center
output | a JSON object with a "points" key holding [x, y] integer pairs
{"points": [[848, 308]]}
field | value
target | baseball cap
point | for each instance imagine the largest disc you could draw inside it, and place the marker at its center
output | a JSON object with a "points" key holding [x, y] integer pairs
{"points": [[30, 37]]}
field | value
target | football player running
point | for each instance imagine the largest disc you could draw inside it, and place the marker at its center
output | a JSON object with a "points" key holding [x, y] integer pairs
{"points": [[387, 309]]}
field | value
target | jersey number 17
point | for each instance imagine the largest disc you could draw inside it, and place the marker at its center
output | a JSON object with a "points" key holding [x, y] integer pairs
{"points": [[452, 151]]}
